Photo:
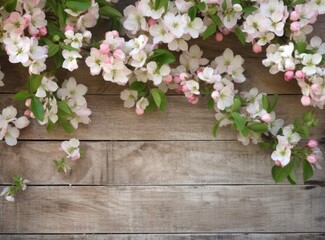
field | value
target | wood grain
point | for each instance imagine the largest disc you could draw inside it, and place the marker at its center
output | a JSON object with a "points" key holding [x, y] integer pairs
{"points": [[143, 163], [165, 209], [234, 236], [182, 121]]}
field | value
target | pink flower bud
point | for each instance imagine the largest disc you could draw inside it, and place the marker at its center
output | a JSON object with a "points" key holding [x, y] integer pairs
{"points": [[115, 33], [139, 111], [300, 74], [312, 158], [118, 53], [184, 88], [277, 163], [195, 101], [191, 97], [295, 26], [43, 31], [104, 48], [177, 79], [294, 16], [69, 27], [257, 48], [288, 76], [27, 19], [151, 22], [168, 79], [219, 37], [215, 95], [28, 102], [266, 118], [315, 87], [305, 100], [27, 113], [312, 143]]}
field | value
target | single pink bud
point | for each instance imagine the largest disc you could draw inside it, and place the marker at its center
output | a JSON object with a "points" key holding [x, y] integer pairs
{"points": [[288, 76], [312, 143], [179, 89], [219, 37], [118, 53], [215, 95], [27, 113], [115, 33], [27, 19], [139, 111], [184, 88], [266, 118], [315, 87], [104, 48], [312, 158], [257, 48], [277, 163], [28, 102], [294, 16], [177, 79], [295, 26], [300, 75], [305, 100], [69, 27], [168, 79], [191, 97], [75, 155], [182, 76], [43, 31], [195, 101], [151, 22]]}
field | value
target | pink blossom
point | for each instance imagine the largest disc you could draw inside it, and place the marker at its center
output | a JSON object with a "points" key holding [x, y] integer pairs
{"points": [[312, 143]]}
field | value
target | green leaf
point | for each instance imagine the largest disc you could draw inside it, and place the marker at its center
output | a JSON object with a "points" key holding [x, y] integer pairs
{"points": [[280, 173], [211, 29], [236, 106], [52, 4], [22, 96], [292, 177], [34, 81], [224, 5], [68, 47], [161, 3], [54, 30], [249, 9], [307, 170], [274, 102], [192, 12], [301, 46], [59, 59], [10, 5], [240, 35], [259, 127], [156, 96], [211, 103], [216, 20], [51, 126], [66, 125], [63, 107], [159, 98], [266, 103], [163, 56], [201, 6], [297, 2], [215, 129], [239, 121], [138, 86], [37, 108], [78, 5], [53, 48], [62, 15], [111, 12]]}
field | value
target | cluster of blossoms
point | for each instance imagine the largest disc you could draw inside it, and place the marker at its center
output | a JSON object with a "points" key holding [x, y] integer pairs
{"points": [[19, 184], [305, 63], [30, 36], [10, 125], [21, 31]]}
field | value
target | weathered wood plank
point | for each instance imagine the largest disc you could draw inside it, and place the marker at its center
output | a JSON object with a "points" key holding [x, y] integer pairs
{"points": [[165, 209], [234, 236], [182, 121], [257, 76], [142, 163]]}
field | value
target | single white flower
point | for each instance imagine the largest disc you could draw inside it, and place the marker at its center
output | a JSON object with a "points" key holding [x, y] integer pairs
{"points": [[47, 85], [129, 97], [70, 61], [281, 154], [156, 73], [71, 148]]}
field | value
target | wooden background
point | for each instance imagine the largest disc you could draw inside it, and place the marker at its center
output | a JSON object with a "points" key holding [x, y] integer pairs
{"points": [[159, 176]]}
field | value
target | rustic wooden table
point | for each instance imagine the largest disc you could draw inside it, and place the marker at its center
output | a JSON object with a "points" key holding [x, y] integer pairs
{"points": [[159, 176]]}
